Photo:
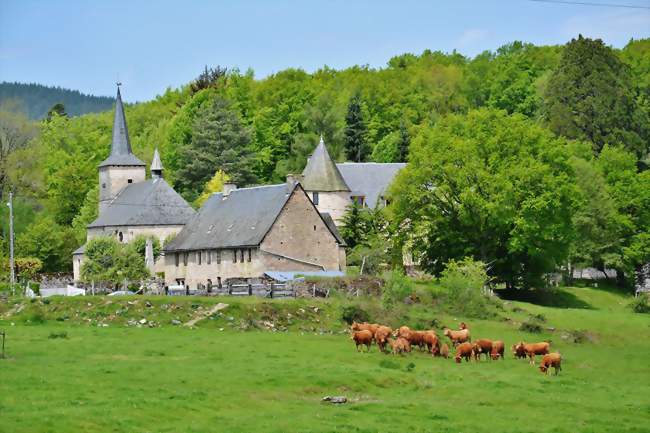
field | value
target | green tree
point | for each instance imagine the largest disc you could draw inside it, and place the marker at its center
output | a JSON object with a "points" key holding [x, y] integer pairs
{"points": [[109, 261], [355, 131], [491, 186], [87, 214], [57, 109], [214, 185], [590, 96], [219, 140], [51, 243], [403, 143], [354, 228]]}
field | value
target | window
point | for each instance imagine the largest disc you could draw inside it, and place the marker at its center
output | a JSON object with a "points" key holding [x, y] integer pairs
{"points": [[234, 256], [103, 185], [359, 199], [130, 180], [208, 257], [198, 257], [177, 258], [314, 196], [219, 282], [218, 257], [249, 254], [241, 256], [314, 228], [185, 257]]}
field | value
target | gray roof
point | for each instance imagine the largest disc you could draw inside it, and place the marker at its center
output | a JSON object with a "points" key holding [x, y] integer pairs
{"points": [[80, 250], [121, 153], [242, 218], [156, 163], [370, 179], [332, 226], [151, 202], [321, 173]]}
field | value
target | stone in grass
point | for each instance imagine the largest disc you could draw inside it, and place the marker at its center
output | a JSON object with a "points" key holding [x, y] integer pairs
{"points": [[176, 322], [336, 399]]}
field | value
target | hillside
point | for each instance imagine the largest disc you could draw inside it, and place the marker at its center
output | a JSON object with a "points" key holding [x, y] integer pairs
{"points": [[93, 361], [35, 99]]}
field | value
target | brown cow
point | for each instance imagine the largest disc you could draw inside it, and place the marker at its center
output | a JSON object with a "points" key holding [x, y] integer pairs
{"points": [[464, 350], [444, 350], [551, 360], [497, 350], [480, 347], [462, 326], [363, 337], [518, 351], [457, 337], [415, 338], [532, 349], [432, 342], [372, 327], [381, 337], [400, 345]]}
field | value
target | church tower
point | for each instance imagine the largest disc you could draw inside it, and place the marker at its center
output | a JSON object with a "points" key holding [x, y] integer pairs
{"points": [[122, 167]]}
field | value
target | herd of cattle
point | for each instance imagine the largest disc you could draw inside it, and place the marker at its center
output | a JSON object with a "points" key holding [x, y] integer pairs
{"points": [[403, 339]]}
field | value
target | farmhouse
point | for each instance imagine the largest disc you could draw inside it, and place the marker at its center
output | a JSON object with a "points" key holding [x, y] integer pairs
{"points": [[244, 233], [129, 204]]}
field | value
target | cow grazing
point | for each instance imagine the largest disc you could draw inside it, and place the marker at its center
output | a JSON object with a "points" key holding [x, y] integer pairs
{"points": [[518, 351], [382, 335], [400, 345], [551, 360], [432, 342], [482, 347], [464, 350], [444, 350], [532, 349], [372, 327], [415, 338], [497, 350], [458, 337], [362, 338]]}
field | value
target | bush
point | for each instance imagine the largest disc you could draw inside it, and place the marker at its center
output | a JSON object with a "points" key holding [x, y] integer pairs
{"points": [[531, 327], [464, 281], [641, 304], [354, 313], [55, 335], [397, 288]]}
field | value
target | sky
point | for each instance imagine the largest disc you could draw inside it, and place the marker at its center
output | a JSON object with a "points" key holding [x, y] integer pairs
{"points": [[88, 45]]}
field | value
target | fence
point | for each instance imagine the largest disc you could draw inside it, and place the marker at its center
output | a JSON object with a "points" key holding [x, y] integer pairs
{"points": [[264, 290]]}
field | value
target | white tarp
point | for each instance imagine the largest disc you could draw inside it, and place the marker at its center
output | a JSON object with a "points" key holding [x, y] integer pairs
{"points": [[63, 291]]}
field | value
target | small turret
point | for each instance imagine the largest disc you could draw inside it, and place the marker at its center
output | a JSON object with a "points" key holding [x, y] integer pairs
{"points": [[156, 166]]}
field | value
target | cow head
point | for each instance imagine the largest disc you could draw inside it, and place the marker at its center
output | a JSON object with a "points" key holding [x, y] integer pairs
{"points": [[447, 333], [543, 367]]}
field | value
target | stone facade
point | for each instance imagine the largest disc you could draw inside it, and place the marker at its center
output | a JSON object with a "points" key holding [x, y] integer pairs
{"points": [[333, 202], [129, 233], [113, 179]]}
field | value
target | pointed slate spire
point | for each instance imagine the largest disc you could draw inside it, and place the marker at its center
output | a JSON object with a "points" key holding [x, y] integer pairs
{"points": [[321, 173], [121, 145], [156, 165]]}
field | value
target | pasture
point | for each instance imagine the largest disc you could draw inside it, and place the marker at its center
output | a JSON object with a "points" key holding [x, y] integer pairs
{"points": [[219, 378]]}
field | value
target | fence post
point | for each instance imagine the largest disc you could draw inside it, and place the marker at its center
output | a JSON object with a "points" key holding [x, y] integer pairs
{"points": [[271, 290], [250, 289], [2, 355]]}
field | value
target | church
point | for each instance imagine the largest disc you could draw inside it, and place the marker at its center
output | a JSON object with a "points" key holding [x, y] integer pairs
{"points": [[239, 233]]}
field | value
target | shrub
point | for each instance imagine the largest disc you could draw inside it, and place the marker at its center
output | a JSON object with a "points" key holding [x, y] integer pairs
{"points": [[55, 335], [539, 317], [37, 317], [531, 327], [354, 313], [641, 304], [397, 288], [464, 281]]}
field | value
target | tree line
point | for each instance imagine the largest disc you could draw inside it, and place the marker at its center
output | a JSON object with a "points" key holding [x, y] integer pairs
{"points": [[529, 158]]}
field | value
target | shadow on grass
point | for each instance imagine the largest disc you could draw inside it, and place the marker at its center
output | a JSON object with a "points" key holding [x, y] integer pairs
{"points": [[555, 298]]}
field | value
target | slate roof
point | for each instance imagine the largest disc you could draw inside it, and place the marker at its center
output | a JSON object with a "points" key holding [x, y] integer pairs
{"points": [[321, 174], [151, 202], [121, 153], [332, 226], [80, 250], [370, 179], [239, 219]]}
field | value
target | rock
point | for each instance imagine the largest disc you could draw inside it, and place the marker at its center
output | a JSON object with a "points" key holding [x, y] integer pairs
{"points": [[336, 399], [176, 322], [143, 321], [408, 300], [148, 304]]}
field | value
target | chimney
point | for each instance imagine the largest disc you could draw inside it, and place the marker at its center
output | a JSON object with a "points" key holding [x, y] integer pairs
{"points": [[292, 180], [228, 188]]}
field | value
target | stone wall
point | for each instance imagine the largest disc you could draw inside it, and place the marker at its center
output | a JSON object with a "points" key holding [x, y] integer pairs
{"points": [[334, 203], [113, 179], [131, 232]]}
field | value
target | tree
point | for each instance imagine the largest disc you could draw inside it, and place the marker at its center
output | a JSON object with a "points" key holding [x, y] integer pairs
{"points": [[214, 185], [354, 228], [87, 214], [218, 140], [139, 244], [403, 143], [51, 243], [57, 109], [15, 133], [590, 96], [210, 77], [109, 261], [355, 131], [494, 187]]}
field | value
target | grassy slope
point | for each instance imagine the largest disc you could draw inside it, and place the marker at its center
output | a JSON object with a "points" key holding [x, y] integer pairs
{"points": [[173, 379]]}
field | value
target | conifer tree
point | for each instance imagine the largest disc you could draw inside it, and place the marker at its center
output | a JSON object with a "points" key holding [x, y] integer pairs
{"points": [[403, 143], [355, 131]]}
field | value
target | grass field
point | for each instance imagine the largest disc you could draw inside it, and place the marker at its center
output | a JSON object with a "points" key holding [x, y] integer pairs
{"points": [[217, 378]]}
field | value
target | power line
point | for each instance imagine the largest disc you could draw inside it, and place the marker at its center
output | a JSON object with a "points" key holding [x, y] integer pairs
{"points": [[579, 3]]}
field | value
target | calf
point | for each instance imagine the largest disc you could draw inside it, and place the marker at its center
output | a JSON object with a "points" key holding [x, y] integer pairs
{"points": [[432, 342], [415, 338], [497, 350], [464, 350], [444, 350], [551, 360], [372, 327], [362, 338], [400, 345], [381, 337], [480, 347], [458, 337], [532, 349]]}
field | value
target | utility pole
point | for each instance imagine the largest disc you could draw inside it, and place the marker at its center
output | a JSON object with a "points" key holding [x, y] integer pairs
{"points": [[11, 243]]}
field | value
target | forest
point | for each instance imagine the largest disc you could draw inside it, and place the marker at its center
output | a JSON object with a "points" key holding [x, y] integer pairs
{"points": [[36, 100], [531, 159]]}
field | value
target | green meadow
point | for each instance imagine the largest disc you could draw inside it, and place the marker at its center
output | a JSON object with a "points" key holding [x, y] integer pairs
{"points": [[90, 365]]}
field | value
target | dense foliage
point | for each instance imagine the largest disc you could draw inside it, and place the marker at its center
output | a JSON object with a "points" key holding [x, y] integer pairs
{"points": [[509, 161]]}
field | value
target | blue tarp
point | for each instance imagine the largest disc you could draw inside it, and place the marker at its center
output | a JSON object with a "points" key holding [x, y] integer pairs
{"points": [[292, 275]]}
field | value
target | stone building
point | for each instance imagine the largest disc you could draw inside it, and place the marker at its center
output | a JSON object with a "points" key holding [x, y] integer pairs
{"points": [[244, 233], [129, 204], [333, 187]]}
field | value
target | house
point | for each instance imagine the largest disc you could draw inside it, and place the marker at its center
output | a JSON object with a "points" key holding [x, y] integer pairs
{"points": [[333, 187], [129, 203], [245, 233]]}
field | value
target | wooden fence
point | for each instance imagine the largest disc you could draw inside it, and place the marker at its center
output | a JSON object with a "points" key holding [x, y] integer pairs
{"points": [[264, 290]]}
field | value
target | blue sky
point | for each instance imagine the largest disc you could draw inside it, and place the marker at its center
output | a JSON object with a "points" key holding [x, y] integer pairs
{"points": [[151, 45]]}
